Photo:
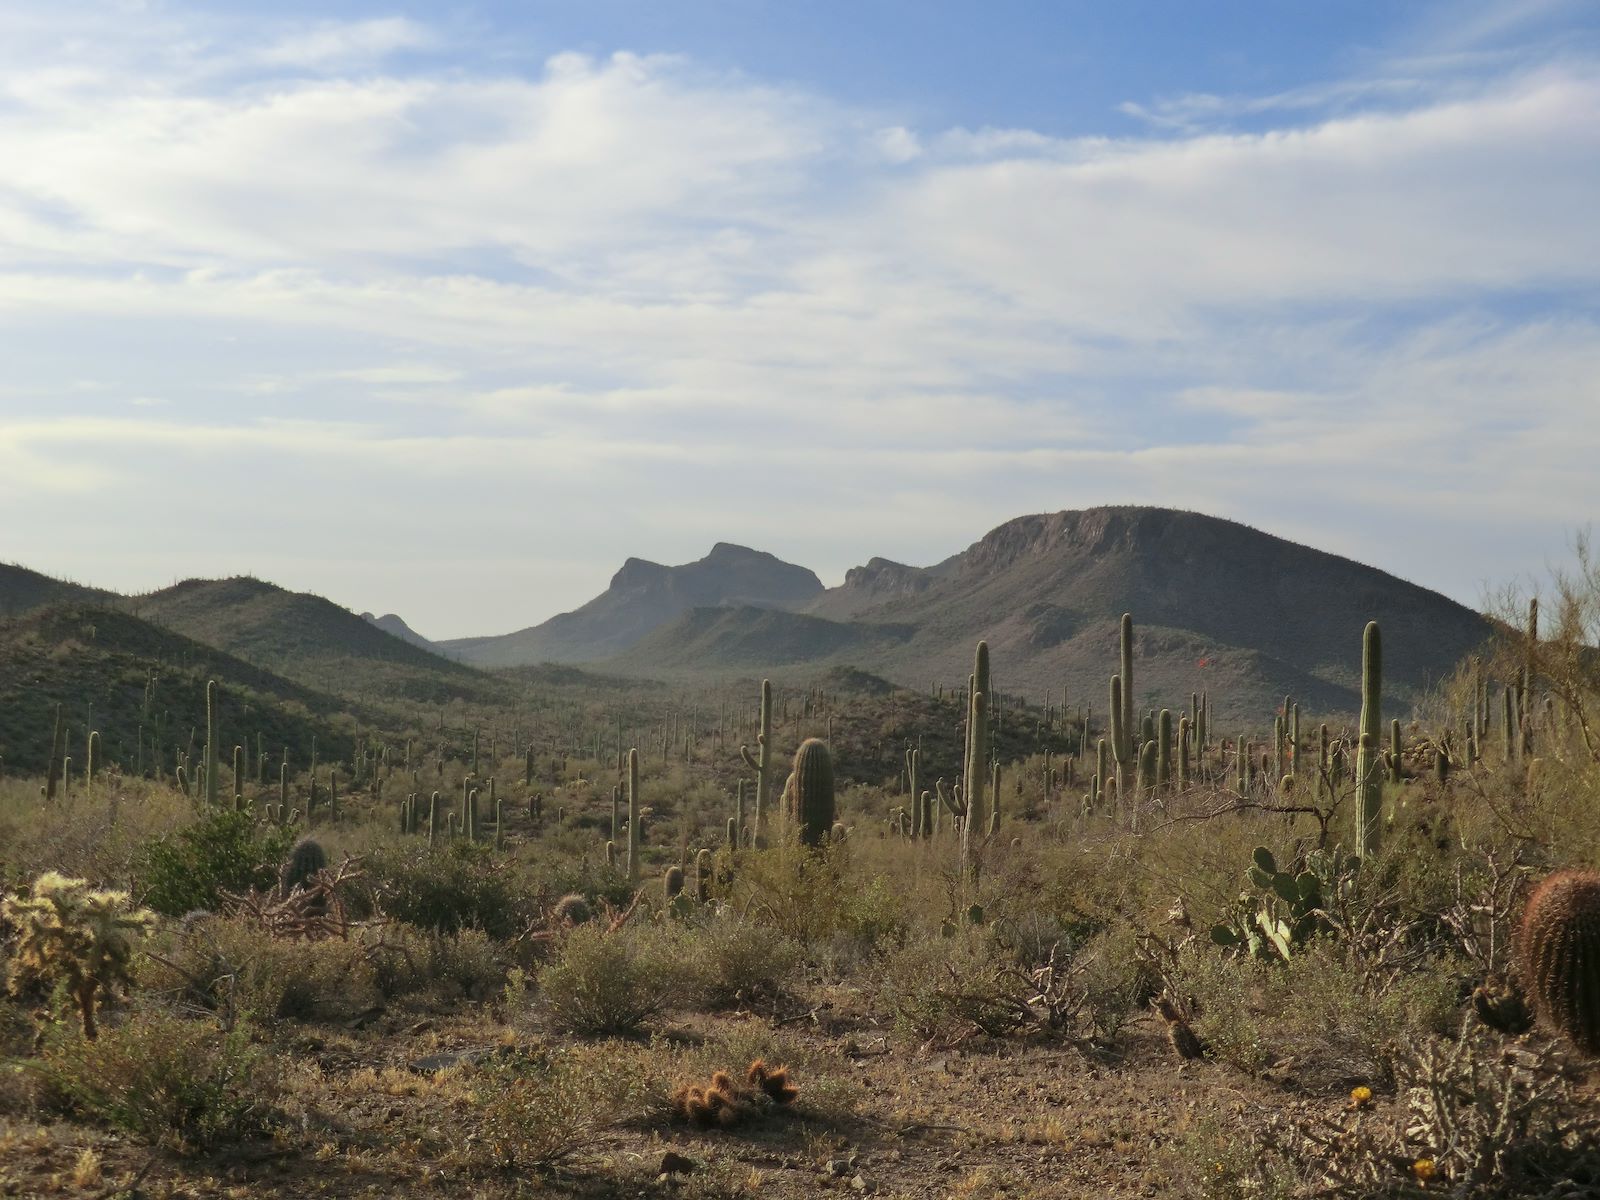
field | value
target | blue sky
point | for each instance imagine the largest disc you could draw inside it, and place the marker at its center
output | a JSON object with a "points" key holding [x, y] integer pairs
{"points": [[448, 309]]}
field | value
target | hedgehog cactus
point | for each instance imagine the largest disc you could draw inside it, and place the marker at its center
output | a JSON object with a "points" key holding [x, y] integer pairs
{"points": [[813, 791], [1369, 776], [1559, 951], [672, 881]]}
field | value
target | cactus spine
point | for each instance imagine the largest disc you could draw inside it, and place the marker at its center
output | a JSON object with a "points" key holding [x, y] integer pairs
{"points": [[1369, 778]]}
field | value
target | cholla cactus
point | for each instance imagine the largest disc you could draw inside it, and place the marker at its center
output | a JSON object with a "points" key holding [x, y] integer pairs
{"points": [[71, 933]]}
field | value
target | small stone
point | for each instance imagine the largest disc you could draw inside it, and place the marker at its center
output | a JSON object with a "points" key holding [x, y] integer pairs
{"points": [[861, 1184], [838, 1166]]}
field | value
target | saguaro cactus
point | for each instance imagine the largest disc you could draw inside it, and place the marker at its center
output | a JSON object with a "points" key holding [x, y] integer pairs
{"points": [[977, 765], [211, 741], [813, 791], [762, 759], [1164, 751], [633, 815], [1369, 776]]}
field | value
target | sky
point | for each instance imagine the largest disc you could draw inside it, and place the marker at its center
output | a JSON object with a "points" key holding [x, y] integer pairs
{"points": [[446, 310]]}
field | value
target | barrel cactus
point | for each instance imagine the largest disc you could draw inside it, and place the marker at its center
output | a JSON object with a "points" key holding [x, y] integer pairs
{"points": [[306, 858], [1559, 948]]}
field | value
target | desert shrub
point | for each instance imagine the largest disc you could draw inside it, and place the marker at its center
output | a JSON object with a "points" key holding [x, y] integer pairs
{"points": [[942, 986], [1115, 978], [1472, 1118], [229, 963], [460, 885], [536, 1109], [1319, 1008], [176, 1083], [222, 851], [728, 960], [795, 890], [469, 962], [600, 983]]}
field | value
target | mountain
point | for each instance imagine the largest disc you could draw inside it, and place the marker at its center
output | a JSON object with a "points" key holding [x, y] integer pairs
{"points": [[22, 591], [308, 639], [395, 627], [1217, 606], [133, 682], [642, 597], [756, 639]]}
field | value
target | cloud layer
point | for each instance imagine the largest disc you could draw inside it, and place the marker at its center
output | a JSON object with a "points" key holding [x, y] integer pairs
{"points": [[362, 312]]}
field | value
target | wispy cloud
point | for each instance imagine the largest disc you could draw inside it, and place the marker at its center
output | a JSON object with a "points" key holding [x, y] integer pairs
{"points": [[625, 304]]}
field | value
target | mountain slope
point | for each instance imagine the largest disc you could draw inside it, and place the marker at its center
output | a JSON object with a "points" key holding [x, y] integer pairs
{"points": [[133, 680], [1218, 607], [641, 598], [306, 638], [755, 638], [23, 590], [395, 627]]}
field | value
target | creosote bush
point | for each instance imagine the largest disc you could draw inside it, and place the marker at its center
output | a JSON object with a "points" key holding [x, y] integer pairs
{"points": [[535, 1109], [607, 983], [171, 1081], [728, 960], [462, 885]]}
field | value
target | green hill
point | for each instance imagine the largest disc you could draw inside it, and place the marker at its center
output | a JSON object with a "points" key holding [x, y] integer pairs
{"points": [[131, 680]]}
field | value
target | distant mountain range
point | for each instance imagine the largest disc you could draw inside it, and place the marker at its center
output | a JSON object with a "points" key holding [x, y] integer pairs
{"points": [[642, 597], [1218, 607]]}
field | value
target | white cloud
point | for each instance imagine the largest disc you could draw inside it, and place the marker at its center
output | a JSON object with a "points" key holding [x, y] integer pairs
{"points": [[624, 305]]}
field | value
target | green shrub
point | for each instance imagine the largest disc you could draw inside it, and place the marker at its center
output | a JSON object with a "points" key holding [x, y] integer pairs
{"points": [[536, 1109], [604, 983], [230, 962], [461, 885], [222, 851], [729, 960], [1319, 1008], [939, 987], [180, 1084]]}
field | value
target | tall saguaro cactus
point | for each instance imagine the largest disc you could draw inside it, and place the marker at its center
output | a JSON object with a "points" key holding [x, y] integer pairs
{"points": [[1123, 745], [977, 767], [57, 749], [761, 760], [1369, 773], [633, 816], [211, 741]]}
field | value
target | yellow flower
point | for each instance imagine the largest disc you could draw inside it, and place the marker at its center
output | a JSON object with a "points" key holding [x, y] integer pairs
{"points": [[1360, 1097], [1423, 1169]]}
